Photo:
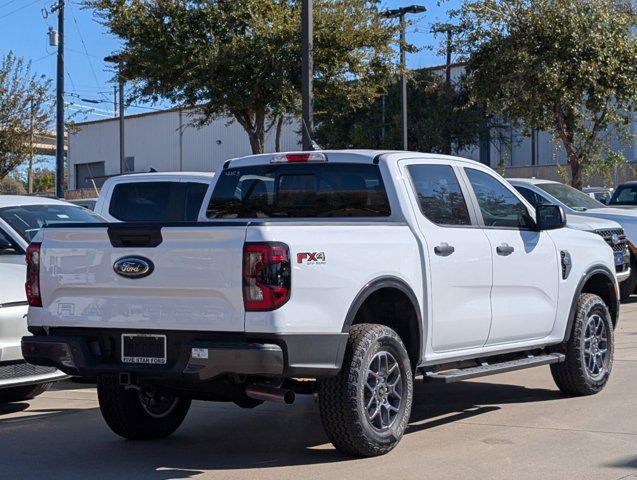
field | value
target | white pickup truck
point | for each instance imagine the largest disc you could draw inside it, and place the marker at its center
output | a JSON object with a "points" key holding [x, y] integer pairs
{"points": [[357, 269]]}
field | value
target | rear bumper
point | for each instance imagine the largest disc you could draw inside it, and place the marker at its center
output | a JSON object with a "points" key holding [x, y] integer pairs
{"points": [[89, 352]]}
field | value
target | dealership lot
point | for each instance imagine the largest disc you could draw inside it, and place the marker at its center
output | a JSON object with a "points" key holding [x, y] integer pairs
{"points": [[515, 425]]}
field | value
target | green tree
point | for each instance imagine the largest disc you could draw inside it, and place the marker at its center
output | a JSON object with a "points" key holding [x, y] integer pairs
{"points": [[24, 105], [43, 180], [436, 112], [242, 58], [10, 185], [564, 66]]}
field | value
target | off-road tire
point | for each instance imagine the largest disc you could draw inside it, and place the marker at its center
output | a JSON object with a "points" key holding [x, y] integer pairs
{"points": [[341, 397], [572, 376], [18, 394], [123, 412]]}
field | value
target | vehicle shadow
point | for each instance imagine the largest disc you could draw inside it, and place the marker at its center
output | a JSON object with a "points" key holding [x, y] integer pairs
{"points": [[223, 437], [14, 407]]}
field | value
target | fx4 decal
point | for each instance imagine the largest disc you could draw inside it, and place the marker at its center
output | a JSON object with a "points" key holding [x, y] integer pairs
{"points": [[311, 258]]}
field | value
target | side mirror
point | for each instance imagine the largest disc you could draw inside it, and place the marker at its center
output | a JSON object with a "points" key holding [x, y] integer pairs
{"points": [[549, 217], [6, 247]]}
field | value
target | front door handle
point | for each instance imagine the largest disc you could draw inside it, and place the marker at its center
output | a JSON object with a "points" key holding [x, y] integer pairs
{"points": [[444, 250], [505, 250]]}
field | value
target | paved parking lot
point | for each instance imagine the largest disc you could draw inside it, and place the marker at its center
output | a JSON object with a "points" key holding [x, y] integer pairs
{"points": [[515, 425]]}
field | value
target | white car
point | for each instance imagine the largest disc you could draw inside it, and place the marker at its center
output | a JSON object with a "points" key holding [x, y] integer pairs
{"points": [[355, 269], [20, 219], [153, 197], [581, 208]]}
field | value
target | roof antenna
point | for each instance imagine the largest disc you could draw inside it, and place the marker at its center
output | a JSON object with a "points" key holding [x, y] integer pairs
{"points": [[315, 146], [152, 170]]}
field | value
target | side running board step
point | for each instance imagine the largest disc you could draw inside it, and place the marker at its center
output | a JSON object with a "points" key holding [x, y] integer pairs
{"points": [[450, 376]]}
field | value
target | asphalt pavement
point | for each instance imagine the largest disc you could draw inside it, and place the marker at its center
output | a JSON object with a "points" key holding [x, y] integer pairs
{"points": [[510, 426]]}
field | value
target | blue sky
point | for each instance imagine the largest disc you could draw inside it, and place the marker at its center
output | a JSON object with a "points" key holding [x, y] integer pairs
{"points": [[23, 28]]}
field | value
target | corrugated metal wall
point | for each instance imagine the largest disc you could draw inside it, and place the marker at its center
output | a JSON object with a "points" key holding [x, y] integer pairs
{"points": [[156, 142]]}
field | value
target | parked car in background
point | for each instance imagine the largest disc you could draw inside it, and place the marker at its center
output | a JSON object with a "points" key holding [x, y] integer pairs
{"points": [[625, 196], [584, 211], [20, 219], [88, 203], [601, 194], [352, 270], [153, 197]]}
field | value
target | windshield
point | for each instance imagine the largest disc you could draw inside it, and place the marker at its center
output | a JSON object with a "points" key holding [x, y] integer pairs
{"points": [[27, 220], [625, 195], [299, 190], [570, 196]]}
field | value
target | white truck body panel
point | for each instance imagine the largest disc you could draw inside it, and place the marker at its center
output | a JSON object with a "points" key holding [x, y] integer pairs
{"points": [[473, 302]]}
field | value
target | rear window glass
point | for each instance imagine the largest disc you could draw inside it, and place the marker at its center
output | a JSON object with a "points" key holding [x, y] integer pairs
{"points": [[300, 190], [142, 201]]}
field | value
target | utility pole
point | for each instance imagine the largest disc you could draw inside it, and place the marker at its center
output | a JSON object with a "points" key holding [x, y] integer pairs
{"points": [[59, 121], [400, 14], [31, 127], [122, 146], [449, 30], [115, 99], [307, 72]]}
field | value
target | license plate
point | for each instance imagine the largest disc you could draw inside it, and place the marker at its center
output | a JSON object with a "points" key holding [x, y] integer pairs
{"points": [[145, 348], [619, 258]]}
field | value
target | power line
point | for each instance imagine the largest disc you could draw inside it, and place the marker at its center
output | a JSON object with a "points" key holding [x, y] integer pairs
{"points": [[18, 9], [90, 64], [8, 3]]}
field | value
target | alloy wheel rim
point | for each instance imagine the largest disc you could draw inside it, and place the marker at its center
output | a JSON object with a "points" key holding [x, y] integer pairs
{"points": [[596, 353], [157, 405], [383, 391]]}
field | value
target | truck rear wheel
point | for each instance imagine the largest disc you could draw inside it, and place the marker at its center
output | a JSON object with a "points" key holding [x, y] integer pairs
{"points": [[139, 414], [589, 350], [365, 408]]}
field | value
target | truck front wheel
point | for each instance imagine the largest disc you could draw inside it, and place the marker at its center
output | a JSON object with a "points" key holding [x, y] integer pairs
{"points": [[589, 350], [139, 414], [365, 408]]}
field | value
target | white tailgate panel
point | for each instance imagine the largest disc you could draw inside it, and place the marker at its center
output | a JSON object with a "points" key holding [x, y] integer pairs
{"points": [[195, 285]]}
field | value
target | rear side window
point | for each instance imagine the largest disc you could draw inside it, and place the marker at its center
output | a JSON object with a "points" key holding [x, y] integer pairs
{"points": [[439, 194], [300, 190], [142, 201], [194, 198]]}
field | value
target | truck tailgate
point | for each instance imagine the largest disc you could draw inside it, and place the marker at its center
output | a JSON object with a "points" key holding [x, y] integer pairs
{"points": [[194, 284]]}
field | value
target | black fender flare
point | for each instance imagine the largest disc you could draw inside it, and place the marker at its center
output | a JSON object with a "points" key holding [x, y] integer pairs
{"points": [[614, 309], [378, 284]]}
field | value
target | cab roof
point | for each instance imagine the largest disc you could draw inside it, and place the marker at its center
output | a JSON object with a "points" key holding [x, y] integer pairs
{"points": [[18, 200], [350, 156]]}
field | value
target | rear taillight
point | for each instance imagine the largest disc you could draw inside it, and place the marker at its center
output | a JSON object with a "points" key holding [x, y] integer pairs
{"points": [[266, 275], [32, 285]]}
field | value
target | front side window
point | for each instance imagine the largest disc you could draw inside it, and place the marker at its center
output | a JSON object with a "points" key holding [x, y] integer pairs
{"points": [[439, 194], [300, 190], [27, 220], [625, 195], [571, 197], [499, 206], [7, 246], [532, 197]]}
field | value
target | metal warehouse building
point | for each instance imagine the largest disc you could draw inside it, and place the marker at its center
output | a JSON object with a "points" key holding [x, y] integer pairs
{"points": [[164, 141]]}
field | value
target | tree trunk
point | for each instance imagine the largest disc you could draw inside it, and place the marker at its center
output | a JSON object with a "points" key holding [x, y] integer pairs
{"points": [[254, 128], [277, 136], [576, 172]]}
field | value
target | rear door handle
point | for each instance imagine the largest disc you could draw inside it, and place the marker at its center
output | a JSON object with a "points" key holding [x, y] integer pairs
{"points": [[444, 250], [505, 250]]}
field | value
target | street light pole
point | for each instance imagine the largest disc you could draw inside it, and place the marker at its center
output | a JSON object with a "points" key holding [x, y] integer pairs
{"points": [[403, 84], [122, 145], [400, 14], [307, 68]]}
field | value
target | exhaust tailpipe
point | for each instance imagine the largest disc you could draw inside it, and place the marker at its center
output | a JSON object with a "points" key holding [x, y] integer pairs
{"points": [[270, 394]]}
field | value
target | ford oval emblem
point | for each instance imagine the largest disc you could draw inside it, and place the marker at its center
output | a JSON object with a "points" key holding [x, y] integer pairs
{"points": [[133, 267], [615, 239]]}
